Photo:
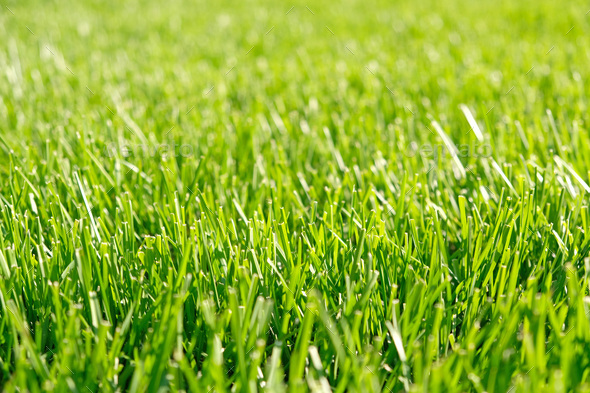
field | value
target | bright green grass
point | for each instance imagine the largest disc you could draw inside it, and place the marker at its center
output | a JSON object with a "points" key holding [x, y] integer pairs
{"points": [[261, 196]]}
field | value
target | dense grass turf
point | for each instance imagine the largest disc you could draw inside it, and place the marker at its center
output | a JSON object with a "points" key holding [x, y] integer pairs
{"points": [[267, 196]]}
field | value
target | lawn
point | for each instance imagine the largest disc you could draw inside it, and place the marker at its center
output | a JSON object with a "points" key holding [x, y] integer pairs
{"points": [[266, 196]]}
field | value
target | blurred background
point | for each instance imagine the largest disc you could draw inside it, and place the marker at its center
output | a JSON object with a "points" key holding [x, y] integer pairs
{"points": [[265, 78]]}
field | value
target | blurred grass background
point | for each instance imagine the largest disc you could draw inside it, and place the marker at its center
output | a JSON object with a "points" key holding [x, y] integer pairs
{"points": [[331, 64]]}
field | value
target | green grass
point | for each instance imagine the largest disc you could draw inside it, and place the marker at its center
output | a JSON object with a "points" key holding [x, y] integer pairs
{"points": [[268, 196]]}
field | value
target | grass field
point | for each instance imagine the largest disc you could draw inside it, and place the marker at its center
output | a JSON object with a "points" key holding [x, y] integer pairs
{"points": [[270, 196]]}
